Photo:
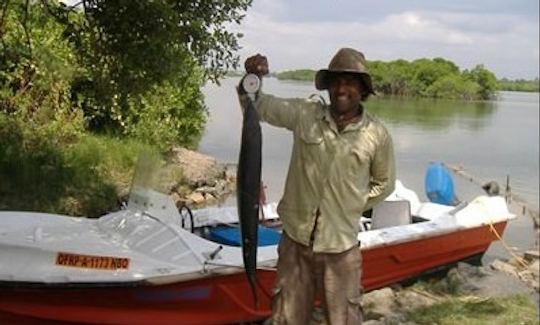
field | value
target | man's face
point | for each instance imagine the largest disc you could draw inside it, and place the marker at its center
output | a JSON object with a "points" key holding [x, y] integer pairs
{"points": [[345, 91]]}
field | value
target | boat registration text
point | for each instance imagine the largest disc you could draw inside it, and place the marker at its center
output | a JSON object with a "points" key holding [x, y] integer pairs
{"points": [[92, 261]]}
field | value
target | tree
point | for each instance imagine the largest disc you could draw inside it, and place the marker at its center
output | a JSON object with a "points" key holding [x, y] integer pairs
{"points": [[128, 52], [37, 67], [454, 86], [143, 38], [391, 78], [485, 79], [427, 71]]}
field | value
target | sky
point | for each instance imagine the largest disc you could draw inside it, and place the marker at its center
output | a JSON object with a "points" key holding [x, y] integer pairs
{"points": [[502, 35]]}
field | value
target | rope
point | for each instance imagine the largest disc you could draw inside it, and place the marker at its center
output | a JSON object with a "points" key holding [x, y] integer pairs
{"points": [[526, 206], [514, 255]]}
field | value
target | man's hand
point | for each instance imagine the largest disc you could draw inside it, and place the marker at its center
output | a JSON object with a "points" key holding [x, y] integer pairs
{"points": [[257, 64]]}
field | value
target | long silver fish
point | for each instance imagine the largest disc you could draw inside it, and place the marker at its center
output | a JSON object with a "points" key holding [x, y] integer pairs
{"points": [[248, 183]]}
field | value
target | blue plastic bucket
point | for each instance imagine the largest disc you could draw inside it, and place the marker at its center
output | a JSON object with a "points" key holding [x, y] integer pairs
{"points": [[439, 185]]}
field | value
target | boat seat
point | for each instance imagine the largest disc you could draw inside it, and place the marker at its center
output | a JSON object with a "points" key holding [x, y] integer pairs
{"points": [[390, 214]]}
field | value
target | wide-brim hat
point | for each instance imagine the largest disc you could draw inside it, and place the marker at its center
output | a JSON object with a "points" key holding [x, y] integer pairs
{"points": [[346, 60]]}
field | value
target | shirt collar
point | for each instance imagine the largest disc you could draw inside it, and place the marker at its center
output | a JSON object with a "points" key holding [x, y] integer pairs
{"points": [[325, 115]]}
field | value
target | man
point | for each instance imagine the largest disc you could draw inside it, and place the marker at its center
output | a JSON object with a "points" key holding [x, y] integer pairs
{"points": [[342, 164]]}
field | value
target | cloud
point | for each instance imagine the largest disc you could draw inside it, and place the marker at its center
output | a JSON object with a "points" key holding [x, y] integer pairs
{"points": [[418, 27], [506, 44]]}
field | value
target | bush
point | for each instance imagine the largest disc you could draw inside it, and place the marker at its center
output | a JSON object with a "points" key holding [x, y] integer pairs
{"points": [[36, 71], [301, 75], [168, 114], [454, 87], [41, 172], [438, 78]]}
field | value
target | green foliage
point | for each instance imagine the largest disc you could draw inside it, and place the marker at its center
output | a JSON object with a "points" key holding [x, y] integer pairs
{"points": [[142, 46], [128, 68], [131, 48], [144, 39], [519, 85], [453, 87], [36, 69], [131, 71], [163, 117], [485, 79], [392, 78], [82, 179], [300, 75], [426, 72], [436, 78]]}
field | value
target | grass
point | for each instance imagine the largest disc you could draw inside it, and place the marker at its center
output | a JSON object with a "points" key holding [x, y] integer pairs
{"points": [[82, 176], [475, 311], [454, 304]]}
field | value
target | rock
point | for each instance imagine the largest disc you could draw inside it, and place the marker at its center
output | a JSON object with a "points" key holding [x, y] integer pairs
{"points": [[197, 169], [531, 255], [412, 299], [222, 187], [530, 278], [480, 271], [526, 276], [500, 284], [503, 267], [206, 190], [516, 262], [229, 174], [395, 319], [210, 199], [501, 281], [196, 198], [457, 280], [534, 268], [183, 190], [378, 303], [177, 199], [373, 322]]}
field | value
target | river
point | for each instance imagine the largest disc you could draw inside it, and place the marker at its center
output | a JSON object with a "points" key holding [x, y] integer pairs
{"points": [[490, 139]]}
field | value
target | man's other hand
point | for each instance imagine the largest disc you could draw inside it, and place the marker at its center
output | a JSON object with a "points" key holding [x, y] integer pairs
{"points": [[257, 64]]}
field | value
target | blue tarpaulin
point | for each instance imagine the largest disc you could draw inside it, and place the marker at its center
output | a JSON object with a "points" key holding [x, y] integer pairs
{"points": [[231, 236]]}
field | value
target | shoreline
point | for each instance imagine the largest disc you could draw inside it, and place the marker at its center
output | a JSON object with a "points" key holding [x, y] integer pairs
{"points": [[449, 298]]}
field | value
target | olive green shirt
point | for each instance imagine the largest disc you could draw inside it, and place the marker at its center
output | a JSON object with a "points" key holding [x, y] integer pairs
{"points": [[333, 176]]}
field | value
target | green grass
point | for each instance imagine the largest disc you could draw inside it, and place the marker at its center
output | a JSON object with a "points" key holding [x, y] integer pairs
{"points": [[111, 157], [82, 176], [475, 311]]}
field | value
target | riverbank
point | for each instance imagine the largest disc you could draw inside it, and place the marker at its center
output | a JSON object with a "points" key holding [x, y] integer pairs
{"points": [[204, 181], [494, 294], [427, 78]]}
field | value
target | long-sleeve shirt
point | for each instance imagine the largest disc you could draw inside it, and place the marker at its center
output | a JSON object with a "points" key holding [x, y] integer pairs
{"points": [[333, 176]]}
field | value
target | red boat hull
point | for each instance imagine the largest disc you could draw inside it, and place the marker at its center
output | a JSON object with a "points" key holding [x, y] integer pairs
{"points": [[220, 299]]}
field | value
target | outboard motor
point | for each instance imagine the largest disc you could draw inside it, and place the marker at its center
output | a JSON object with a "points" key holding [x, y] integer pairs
{"points": [[439, 185]]}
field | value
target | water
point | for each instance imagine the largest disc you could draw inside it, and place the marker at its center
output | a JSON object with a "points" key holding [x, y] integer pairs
{"points": [[490, 140]]}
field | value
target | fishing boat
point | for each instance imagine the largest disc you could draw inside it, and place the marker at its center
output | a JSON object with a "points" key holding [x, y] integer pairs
{"points": [[152, 263]]}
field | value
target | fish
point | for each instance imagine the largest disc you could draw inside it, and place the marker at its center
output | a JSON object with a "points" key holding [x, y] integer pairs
{"points": [[248, 186]]}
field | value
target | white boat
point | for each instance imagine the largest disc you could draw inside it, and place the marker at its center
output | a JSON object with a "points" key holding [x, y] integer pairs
{"points": [[148, 263]]}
